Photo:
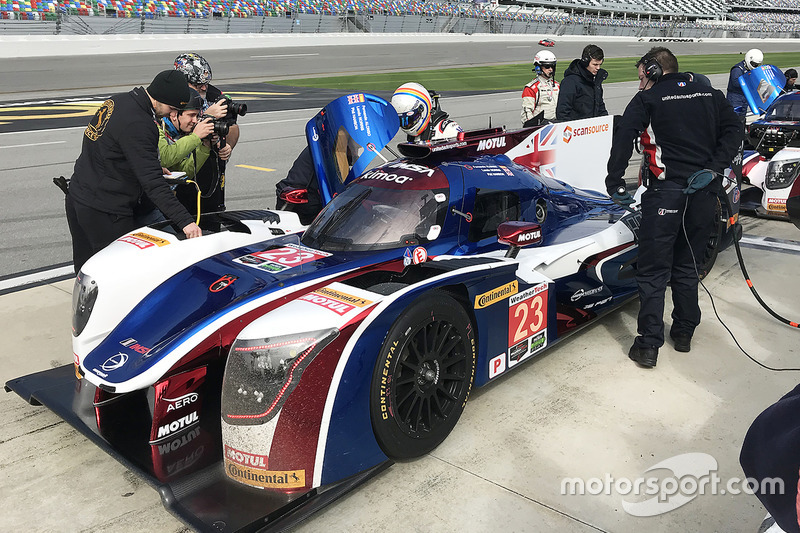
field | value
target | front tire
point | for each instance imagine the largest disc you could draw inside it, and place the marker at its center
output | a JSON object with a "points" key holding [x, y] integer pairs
{"points": [[423, 376]]}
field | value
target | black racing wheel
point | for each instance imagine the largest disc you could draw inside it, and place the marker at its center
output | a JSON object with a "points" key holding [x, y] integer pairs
{"points": [[423, 376]]}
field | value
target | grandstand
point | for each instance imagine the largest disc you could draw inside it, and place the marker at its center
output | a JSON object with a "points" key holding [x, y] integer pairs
{"points": [[639, 18]]}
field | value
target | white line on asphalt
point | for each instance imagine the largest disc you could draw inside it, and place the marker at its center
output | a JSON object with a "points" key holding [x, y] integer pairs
{"points": [[32, 144], [283, 55], [769, 242], [520, 46], [36, 277]]}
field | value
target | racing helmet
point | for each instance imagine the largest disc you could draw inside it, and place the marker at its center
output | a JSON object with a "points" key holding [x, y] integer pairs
{"points": [[544, 58], [197, 69], [753, 58], [413, 104]]}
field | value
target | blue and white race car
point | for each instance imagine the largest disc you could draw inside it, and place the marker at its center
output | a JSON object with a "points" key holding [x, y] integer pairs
{"points": [[253, 374]]}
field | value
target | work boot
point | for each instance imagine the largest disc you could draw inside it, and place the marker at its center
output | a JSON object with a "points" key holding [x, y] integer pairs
{"points": [[682, 341], [644, 356]]}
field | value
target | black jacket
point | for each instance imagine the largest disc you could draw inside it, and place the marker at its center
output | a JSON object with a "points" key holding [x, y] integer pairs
{"points": [[581, 94], [302, 176], [119, 160], [685, 126]]}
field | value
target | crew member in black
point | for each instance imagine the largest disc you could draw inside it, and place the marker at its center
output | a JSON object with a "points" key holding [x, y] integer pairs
{"points": [[581, 93], [211, 176], [690, 134], [119, 162], [302, 178]]}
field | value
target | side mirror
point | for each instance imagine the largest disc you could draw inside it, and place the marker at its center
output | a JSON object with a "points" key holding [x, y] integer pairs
{"points": [[517, 234]]}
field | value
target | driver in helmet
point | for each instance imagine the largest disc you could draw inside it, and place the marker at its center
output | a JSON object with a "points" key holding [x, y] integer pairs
{"points": [[752, 59], [540, 96], [421, 118]]}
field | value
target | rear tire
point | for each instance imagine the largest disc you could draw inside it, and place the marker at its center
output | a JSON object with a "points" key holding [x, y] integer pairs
{"points": [[423, 376]]}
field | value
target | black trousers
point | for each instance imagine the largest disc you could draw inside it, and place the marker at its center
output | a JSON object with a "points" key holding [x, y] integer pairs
{"points": [[93, 230], [665, 256]]}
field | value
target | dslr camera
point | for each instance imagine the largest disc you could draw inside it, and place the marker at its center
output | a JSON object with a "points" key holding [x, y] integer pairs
{"points": [[235, 110]]}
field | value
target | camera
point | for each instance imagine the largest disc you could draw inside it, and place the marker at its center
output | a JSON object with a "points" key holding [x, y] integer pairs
{"points": [[221, 127], [235, 110]]}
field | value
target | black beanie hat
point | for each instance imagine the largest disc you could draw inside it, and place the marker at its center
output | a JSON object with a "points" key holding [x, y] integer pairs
{"points": [[170, 87]]}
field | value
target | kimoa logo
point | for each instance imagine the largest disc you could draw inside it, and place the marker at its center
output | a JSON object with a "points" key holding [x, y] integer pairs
{"points": [[495, 295], [487, 144]]}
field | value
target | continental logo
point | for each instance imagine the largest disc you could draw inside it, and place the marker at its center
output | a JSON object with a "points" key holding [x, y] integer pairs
{"points": [[150, 238], [266, 479], [495, 295], [343, 297], [98, 124]]}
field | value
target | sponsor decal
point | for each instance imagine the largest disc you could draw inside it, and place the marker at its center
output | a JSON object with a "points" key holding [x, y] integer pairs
{"points": [[421, 169], [567, 136], [330, 304], [681, 84], [281, 259], [385, 176], [531, 236], [488, 144], [736, 195], [177, 425], [468, 167], [497, 365], [158, 241], [662, 211], [580, 293], [448, 146], [246, 459], [598, 303], [222, 282], [77, 361], [407, 257], [343, 297], [134, 345], [527, 323], [139, 243], [420, 255], [314, 134], [181, 401], [776, 204], [266, 479], [495, 295], [506, 170], [354, 99], [114, 362]]}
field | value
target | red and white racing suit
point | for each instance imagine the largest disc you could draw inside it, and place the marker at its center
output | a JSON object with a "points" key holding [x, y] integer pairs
{"points": [[541, 94]]}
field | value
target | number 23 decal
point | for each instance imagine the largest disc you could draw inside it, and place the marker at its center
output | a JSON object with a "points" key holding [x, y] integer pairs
{"points": [[527, 314]]}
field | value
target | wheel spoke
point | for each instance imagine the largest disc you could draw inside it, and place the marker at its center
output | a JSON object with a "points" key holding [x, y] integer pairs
{"points": [[410, 413], [427, 416], [442, 336], [405, 381], [454, 341], [451, 377], [413, 349], [411, 366], [446, 393], [402, 401], [454, 360]]}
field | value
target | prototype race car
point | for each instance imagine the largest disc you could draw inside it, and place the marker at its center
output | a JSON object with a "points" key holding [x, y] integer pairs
{"points": [[547, 42], [255, 374], [772, 165]]}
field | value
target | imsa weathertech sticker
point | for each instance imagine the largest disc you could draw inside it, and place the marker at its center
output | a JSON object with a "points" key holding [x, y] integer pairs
{"points": [[495, 295], [280, 259], [265, 479], [527, 323]]}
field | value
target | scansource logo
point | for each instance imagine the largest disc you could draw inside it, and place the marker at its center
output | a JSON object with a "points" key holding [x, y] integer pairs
{"points": [[682, 478]]}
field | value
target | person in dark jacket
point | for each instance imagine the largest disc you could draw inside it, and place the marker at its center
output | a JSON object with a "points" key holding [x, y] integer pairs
{"points": [[689, 135], [119, 163], [581, 94]]}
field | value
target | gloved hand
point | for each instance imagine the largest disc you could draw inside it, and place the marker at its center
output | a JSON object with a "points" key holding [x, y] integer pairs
{"points": [[699, 180], [622, 198]]}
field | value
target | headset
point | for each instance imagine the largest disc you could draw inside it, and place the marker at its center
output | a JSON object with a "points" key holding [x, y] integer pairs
{"points": [[585, 60], [652, 69]]}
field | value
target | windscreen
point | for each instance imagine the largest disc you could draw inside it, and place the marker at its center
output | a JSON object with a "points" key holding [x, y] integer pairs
{"points": [[374, 216], [785, 109]]}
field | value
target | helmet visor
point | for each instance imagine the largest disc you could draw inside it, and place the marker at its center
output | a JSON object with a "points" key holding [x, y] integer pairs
{"points": [[410, 118]]}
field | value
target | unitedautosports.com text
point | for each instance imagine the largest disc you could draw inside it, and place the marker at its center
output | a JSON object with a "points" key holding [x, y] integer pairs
{"points": [[684, 478]]}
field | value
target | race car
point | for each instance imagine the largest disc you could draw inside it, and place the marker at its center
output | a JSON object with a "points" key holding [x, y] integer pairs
{"points": [[547, 42], [255, 374], [771, 168]]}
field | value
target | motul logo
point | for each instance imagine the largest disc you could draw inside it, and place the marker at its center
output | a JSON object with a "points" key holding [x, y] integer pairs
{"points": [[177, 425], [337, 307], [530, 236], [246, 459], [487, 144]]}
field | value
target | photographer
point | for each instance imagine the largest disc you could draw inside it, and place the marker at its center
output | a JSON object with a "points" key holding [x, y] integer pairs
{"points": [[211, 176], [184, 142]]}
